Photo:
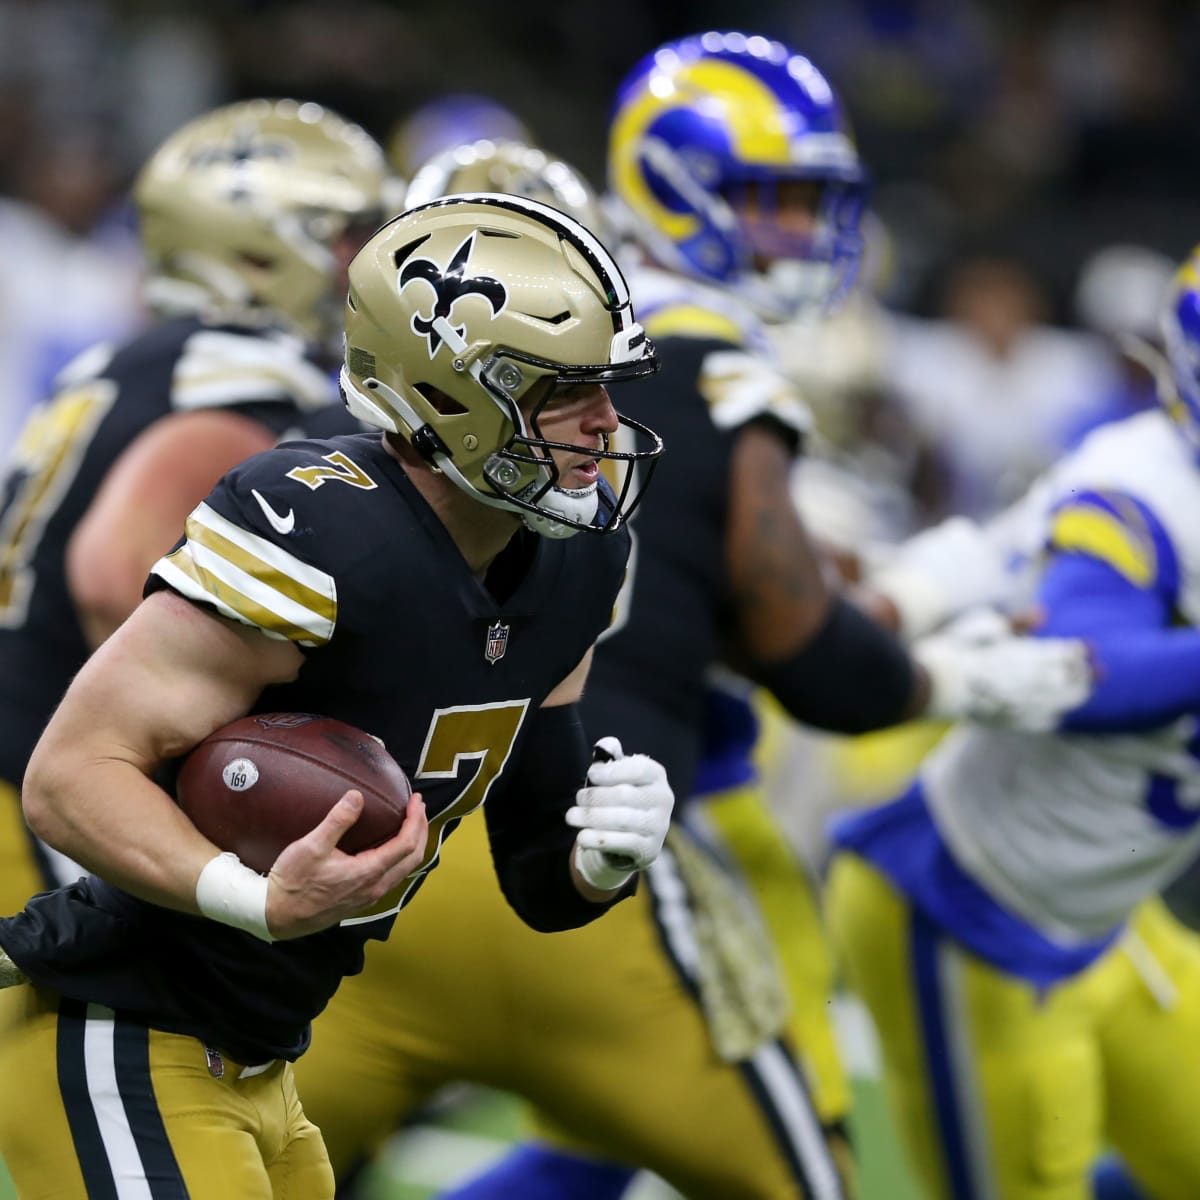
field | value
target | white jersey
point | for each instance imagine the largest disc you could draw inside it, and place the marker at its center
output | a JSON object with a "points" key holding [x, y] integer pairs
{"points": [[1060, 828]]}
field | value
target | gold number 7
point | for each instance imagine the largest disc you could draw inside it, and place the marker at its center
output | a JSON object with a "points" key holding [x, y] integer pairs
{"points": [[483, 732]]}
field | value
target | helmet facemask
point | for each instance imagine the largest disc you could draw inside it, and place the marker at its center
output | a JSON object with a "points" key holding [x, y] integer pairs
{"points": [[792, 273]]}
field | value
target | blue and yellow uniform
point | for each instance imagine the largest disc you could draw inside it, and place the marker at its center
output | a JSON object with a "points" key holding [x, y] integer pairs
{"points": [[104, 401], [135, 1007], [1034, 1000]]}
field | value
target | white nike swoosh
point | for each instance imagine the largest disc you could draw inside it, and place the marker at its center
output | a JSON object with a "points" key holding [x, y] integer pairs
{"points": [[279, 524]]}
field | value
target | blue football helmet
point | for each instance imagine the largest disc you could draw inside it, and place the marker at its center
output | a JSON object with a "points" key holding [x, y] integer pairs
{"points": [[706, 124], [1181, 337]]}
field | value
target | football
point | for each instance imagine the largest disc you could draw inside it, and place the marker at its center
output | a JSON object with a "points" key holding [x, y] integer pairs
{"points": [[261, 782]]}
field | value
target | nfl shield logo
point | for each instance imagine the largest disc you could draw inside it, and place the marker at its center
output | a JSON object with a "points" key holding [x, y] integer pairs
{"points": [[497, 642]]}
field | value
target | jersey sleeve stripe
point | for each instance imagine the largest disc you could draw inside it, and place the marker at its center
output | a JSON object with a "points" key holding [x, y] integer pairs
{"points": [[218, 369], [269, 597], [1101, 535], [739, 387], [222, 557], [306, 578], [221, 388], [178, 570], [252, 579], [182, 572]]}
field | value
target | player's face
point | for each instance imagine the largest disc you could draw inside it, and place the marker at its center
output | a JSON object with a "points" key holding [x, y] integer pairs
{"points": [[783, 213], [581, 415], [346, 243]]}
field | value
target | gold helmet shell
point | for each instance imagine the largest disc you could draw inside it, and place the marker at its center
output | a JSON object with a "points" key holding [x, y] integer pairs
{"points": [[463, 316], [509, 166], [240, 209]]}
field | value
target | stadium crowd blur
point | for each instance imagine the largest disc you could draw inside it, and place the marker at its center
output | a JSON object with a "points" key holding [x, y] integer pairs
{"points": [[1033, 164]]}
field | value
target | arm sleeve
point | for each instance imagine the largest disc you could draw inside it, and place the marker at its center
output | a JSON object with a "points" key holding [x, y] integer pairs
{"points": [[531, 842], [1112, 578], [852, 676]]}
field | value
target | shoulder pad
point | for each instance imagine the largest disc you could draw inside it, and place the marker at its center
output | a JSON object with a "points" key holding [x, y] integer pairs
{"points": [[741, 387], [217, 368], [670, 305], [265, 546], [1116, 529]]}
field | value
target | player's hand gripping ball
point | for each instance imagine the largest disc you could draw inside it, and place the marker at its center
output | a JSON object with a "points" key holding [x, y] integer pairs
{"points": [[260, 783]]}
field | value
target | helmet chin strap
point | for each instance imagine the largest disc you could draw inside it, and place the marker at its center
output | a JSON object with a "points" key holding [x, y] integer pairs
{"points": [[576, 504]]}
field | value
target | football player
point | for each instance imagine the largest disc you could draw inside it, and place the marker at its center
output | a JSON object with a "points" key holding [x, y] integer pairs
{"points": [[1034, 999], [249, 216], [424, 583], [665, 1036]]}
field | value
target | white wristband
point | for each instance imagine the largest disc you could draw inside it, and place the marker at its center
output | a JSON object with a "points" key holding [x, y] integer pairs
{"points": [[230, 892], [597, 869]]}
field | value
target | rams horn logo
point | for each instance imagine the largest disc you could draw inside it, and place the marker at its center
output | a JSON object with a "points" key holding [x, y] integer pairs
{"points": [[449, 286]]}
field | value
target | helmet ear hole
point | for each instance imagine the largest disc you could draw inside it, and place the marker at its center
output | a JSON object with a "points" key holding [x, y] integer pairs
{"points": [[439, 400], [256, 262]]}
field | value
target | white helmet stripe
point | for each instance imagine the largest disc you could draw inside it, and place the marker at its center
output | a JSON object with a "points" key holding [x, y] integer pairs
{"points": [[587, 242]]}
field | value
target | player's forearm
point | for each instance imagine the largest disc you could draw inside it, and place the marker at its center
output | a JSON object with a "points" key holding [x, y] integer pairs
{"points": [[532, 845], [1147, 672], [850, 677], [1144, 680], [113, 820]]}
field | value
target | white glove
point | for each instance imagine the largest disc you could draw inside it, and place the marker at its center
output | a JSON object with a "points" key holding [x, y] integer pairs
{"points": [[944, 571], [981, 671], [622, 815]]}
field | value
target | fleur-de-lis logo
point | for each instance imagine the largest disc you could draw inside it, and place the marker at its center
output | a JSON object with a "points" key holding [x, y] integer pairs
{"points": [[449, 286], [246, 145]]}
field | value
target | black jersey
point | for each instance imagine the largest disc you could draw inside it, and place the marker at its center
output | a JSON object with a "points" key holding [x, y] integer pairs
{"points": [[105, 400], [647, 683], [329, 545]]}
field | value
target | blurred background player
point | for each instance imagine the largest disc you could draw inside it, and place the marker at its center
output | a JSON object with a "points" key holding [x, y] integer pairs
{"points": [[249, 216], [726, 1086], [447, 122], [1034, 1000]]}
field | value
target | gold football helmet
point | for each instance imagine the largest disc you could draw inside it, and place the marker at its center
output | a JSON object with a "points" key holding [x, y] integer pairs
{"points": [[462, 318], [508, 166], [241, 209]]}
